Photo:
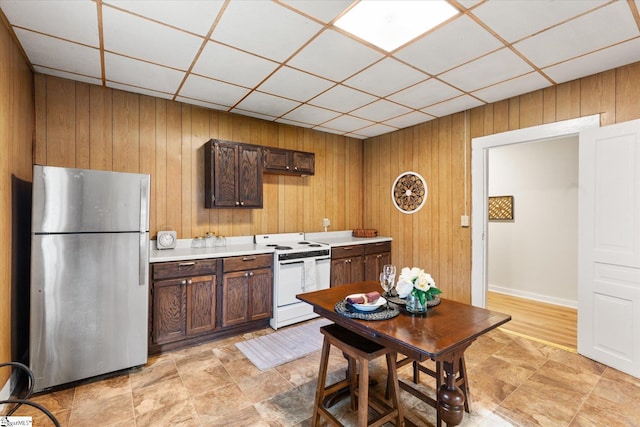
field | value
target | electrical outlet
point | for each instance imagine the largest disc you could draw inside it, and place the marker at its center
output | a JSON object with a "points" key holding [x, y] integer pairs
{"points": [[464, 220]]}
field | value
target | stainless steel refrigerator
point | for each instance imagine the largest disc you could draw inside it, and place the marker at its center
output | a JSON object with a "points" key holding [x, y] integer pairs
{"points": [[89, 273]]}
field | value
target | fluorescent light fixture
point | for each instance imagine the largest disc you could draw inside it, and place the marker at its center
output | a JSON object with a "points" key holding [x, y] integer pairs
{"points": [[390, 24]]}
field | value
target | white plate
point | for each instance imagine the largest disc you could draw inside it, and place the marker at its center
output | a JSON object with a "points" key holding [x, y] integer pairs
{"points": [[369, 306]]}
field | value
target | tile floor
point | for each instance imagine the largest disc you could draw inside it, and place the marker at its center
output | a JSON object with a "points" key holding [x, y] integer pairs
{"points": [[513, 381]]}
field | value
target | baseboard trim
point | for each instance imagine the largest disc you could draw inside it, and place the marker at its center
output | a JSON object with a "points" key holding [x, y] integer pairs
{"points": [[537, 297]]}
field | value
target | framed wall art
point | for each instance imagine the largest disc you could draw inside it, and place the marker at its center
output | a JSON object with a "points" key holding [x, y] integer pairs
{"points": [[501, 208]]}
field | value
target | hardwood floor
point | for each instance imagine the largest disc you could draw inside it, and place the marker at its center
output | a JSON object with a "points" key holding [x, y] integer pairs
{"points": [[549, 323]]}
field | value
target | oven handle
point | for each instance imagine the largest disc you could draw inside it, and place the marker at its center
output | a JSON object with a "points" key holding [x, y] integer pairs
{"points": [[299, 261]]}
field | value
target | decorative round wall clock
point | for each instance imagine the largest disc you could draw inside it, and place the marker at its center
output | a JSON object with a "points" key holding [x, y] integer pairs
{"points": [[409, 192]]}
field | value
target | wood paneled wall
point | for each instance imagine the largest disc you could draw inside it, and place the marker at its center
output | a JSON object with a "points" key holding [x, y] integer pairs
{"points": [[16, 133], [440, 150], [87, 126]]}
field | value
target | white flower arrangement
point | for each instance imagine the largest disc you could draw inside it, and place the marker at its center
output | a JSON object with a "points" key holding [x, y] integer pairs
{"points": [[418, 283]]}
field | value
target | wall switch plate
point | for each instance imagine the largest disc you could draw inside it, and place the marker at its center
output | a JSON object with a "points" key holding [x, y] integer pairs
{"points": [[464, 220], [326, 222]]}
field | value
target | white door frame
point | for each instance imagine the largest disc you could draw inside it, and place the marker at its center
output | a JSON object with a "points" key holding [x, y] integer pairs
{"points": [[480, 187]]}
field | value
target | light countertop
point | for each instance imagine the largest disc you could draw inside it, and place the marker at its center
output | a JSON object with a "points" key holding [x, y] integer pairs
{"points": [[236, 246], [343, 238]]}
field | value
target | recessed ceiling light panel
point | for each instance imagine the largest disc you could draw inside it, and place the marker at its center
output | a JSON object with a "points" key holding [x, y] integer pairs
{"points": [[390, 24]]}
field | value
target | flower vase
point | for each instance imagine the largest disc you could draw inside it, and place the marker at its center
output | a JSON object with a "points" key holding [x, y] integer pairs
{"points": [[414, 306]]}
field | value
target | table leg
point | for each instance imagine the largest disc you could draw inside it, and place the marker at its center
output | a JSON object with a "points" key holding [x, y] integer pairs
{"points": [[450, 397]]}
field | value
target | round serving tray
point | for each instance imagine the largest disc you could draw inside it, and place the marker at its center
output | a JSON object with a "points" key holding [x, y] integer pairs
{"points": [[382, 313]]}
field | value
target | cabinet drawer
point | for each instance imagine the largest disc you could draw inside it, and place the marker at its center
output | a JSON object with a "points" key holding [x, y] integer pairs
{"points": [[247, 262], [376, 248], [168, 270], [347, 251]]}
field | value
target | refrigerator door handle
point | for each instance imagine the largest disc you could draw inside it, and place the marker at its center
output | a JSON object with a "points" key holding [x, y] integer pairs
{"points": [[144, 205], [143, 274]]}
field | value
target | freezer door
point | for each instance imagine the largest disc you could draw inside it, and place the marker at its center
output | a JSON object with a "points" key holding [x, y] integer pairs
{"points": [[80, 200], [88, 310]]}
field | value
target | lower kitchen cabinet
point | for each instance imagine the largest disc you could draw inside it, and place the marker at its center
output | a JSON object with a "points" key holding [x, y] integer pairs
{"points": [[376, 255], [347, 264], [182, 303], [357, 262], [247, 289]]}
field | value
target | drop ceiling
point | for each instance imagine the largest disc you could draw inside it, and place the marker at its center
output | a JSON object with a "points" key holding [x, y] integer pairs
{"points": [[284, 61]]}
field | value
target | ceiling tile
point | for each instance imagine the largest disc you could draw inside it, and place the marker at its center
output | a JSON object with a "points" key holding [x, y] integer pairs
{"points": [[264, 28], [342, 98], [488, 70], [204, 104], [76, 21], [294, 123], [593, 63], [515, 19], [380, 110], [153, 42], [461, 103], [195, 16], [256, 115], [334, 56], [58, 54], [324, 11], [410, 119], [294, 84], [120, 69], [519, 85], [310, 114], [375, 80], [231, 65], [374, 130], [426, 93], [582, 35], [458, 42], [347, 123], [204, 89], [142, 91], [69, 76], [263, 103]]}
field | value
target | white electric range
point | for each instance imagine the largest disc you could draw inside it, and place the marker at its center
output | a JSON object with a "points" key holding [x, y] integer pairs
{"points": [[299, 266]]}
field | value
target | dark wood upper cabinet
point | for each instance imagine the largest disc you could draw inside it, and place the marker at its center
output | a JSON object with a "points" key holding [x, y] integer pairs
{"points": [[233, 175], [288, 162]]}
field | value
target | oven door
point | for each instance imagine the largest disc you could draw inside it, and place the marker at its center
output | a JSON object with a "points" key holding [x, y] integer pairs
{"points": [[301, 275]]}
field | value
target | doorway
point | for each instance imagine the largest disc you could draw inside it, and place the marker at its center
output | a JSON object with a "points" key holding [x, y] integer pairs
{"points": [[480, 190]]}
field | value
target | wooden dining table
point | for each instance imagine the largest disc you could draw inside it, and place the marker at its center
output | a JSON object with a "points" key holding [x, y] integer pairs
{"points": [[442, 335]]}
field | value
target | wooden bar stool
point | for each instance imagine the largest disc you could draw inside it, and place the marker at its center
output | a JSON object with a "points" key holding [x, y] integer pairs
{"points": [[358, 351]]}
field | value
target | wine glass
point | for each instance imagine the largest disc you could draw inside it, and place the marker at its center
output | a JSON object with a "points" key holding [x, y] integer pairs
{"points": [[387, 284], [390, 271]]}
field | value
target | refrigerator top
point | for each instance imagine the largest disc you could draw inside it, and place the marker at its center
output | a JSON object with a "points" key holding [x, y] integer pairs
{"points": [[67, 200]]}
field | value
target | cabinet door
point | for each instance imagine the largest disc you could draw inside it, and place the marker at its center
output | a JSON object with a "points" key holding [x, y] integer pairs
{"points": [[276, 160], [168, 311], [340, 271], [357, 269], [225, 183], [304, 163], [201, 304], [373, 265], [249, 176], [235, 298], [261, 291]]}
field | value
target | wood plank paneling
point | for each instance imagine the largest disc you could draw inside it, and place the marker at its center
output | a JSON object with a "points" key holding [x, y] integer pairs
{"points": [[17, 121], [439, 243], [353, 178]]}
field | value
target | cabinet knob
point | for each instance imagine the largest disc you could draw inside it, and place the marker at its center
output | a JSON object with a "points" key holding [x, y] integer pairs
{"points": [[241, 203], [379, 256], [251, 274], [189, 282], [287, 167], [295, 168], [246, 274], [237, 203], [184, 282]]}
